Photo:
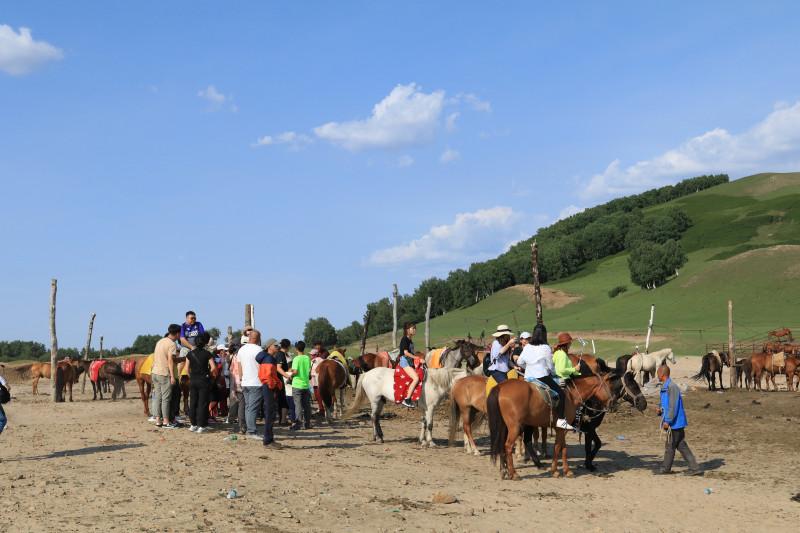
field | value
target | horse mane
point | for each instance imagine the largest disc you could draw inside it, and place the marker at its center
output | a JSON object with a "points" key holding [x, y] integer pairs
{"points": [[444, 377], [602, 365]]}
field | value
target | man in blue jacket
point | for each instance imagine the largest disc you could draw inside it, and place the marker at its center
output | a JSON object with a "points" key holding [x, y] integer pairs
{"points": [[673, 417]]}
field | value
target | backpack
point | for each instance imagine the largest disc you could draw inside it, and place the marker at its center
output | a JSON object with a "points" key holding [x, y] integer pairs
{"points": [[487, 362], [268, 375], [5, 396]]}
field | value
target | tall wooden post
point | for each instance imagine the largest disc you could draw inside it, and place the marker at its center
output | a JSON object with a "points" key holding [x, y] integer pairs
{"points": [[731, 347], [649, 329], [428, 325], [53, 339], [248, 315], [367, 317], [537, 288], [86, 350], [394, 316], [229, 336], [101, 346]]}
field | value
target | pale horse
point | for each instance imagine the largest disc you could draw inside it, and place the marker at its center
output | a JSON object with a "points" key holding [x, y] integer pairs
{"points": [[647, 363], [377, 386]]}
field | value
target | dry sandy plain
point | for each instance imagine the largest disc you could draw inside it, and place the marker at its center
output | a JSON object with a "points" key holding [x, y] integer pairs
{"points": [[100, 466]]}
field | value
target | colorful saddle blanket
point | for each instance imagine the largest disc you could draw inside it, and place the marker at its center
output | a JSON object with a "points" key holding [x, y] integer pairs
{"points": [[435, 360], [403, 380], [491, 383], [128, 367], [147, 366], [94, 368]]}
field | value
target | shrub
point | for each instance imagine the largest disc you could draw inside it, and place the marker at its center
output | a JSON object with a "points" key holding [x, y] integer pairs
{"points": [[616, 291]]}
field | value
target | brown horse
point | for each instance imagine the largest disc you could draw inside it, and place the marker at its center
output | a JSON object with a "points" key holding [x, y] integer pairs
{"points": [[744, 373], [42, 370], [332, 377], [596, 365], [515, 404], [110, 372], [144, 382], [710, 366], [367, 362], [66, 375], [765, 362]]}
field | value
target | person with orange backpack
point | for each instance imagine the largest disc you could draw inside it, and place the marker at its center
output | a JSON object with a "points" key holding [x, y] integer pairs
{"points": [[271, 386]]}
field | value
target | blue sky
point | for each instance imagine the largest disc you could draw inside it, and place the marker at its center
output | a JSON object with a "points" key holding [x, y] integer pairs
{"points": [[162, 156]]}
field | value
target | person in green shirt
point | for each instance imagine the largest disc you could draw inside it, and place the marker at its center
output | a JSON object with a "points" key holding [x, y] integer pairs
{"points": [[301, 394], [564, 367]]}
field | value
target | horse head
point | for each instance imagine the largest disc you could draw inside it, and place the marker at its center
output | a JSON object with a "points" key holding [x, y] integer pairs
{"points": [[631, 392], [671, 356], [469, 353]]}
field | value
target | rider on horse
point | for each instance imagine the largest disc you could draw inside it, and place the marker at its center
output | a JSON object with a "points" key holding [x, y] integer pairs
{"points": [[500, 354], [406, 361], [564, 369]]}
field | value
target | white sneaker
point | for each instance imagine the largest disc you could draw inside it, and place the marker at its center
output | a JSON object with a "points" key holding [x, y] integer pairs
{"points": [[152, 419], [563, 424], [203, 430], [193, 428]]}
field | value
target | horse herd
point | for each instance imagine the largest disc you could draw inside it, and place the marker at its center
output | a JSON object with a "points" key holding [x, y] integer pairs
{"points": [[749, 371]]}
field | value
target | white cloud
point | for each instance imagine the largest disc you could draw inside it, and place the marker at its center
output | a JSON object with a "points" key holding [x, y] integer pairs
{"points": [[217, 100], [20, 54], [405, 161], [569, 211], [470, 237], [450, 121], [449, 155], [770, 145], [293, 139], [407, 116], [473, 101]]}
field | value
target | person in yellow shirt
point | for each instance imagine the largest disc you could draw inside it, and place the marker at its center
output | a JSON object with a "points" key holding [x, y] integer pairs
{"points": [[563, 367]]}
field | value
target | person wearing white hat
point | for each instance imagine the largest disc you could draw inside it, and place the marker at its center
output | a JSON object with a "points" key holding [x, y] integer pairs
{"points": [[500, 355]]}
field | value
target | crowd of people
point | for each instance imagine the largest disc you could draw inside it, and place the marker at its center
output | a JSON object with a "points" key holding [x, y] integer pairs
{"points": [[236, 383]]}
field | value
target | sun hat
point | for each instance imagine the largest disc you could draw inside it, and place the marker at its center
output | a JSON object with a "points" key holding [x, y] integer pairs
{"points": [[564, 338], [271, 342], [525, 335], [502, 329]]}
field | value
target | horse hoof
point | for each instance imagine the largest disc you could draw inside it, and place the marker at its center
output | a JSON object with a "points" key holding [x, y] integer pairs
{"points": [[516, 477], [569, 473]]}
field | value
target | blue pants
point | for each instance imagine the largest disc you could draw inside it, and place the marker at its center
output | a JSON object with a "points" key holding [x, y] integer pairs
{"points": [[3, 419], [252, 400], [268, 396], [499, 376]]}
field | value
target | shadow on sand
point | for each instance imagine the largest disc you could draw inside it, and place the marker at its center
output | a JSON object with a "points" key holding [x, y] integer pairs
{"points": [[80, 451]]}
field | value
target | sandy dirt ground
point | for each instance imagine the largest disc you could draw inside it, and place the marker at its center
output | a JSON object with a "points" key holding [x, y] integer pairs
{"points": [[100, 466]]}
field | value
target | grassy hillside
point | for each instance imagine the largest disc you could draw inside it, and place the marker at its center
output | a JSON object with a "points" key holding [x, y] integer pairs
{"points": [[744, 245]]}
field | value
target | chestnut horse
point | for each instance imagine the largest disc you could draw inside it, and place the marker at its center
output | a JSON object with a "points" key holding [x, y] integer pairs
{"points": [[711, 365], [515, 404], [765, 362], [42, 370], [744, 373], [66, 375], [332, 377]]}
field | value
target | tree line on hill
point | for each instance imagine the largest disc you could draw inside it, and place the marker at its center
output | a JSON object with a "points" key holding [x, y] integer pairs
{"points": [[564, 248]]}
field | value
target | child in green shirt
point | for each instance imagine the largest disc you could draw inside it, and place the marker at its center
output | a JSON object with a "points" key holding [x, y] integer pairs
{"points": [[301, 395]]}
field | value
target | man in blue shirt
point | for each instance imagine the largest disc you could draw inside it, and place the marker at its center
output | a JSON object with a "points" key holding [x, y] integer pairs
{"points": [[190, 330], [673, 420]]}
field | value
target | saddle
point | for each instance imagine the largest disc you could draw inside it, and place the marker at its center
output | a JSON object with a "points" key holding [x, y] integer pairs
{"points": [[549, 396], [344, 367], [437, 356], [403, 380], [94, 368], [779, 360], [128, 367], [491, 383]]}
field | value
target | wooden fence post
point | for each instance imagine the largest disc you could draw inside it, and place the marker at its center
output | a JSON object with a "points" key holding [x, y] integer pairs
{"points": [[53, 339], [229, 336], [394, 316], [367, 317], [649, 329], [731, 347], [86, 350], [101, 346], [248, 315], [537, 288], [428, 326]]}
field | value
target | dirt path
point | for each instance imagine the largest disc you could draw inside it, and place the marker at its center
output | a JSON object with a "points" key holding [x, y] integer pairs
{"points": [[103, 466]]}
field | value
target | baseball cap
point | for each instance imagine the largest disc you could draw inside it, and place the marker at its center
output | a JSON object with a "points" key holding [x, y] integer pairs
{"points": [[525, 335]]}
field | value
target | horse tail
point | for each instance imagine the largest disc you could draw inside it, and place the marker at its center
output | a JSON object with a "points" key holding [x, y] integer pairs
{"points": [[497, 426], [360, 398], [455, 414], [326, 390], [22, 372], [704, 370]]}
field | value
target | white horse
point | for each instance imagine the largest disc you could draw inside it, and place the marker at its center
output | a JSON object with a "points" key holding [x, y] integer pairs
{"points": [[647, 363], [377, 386]]}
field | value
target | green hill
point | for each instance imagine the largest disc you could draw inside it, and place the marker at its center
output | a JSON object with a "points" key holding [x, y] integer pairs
{"points": [[744, 245]]}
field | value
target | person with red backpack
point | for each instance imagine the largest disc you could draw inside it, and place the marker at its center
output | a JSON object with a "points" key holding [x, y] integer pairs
{"points": [[271, 385]]}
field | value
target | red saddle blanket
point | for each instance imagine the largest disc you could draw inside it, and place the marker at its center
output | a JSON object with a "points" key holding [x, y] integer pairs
{"points": [[94, 369], [403, 380], [128, 367]]}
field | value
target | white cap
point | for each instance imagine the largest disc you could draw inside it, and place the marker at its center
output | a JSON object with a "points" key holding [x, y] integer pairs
{"points": [[525, 335], [221, 347]]}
